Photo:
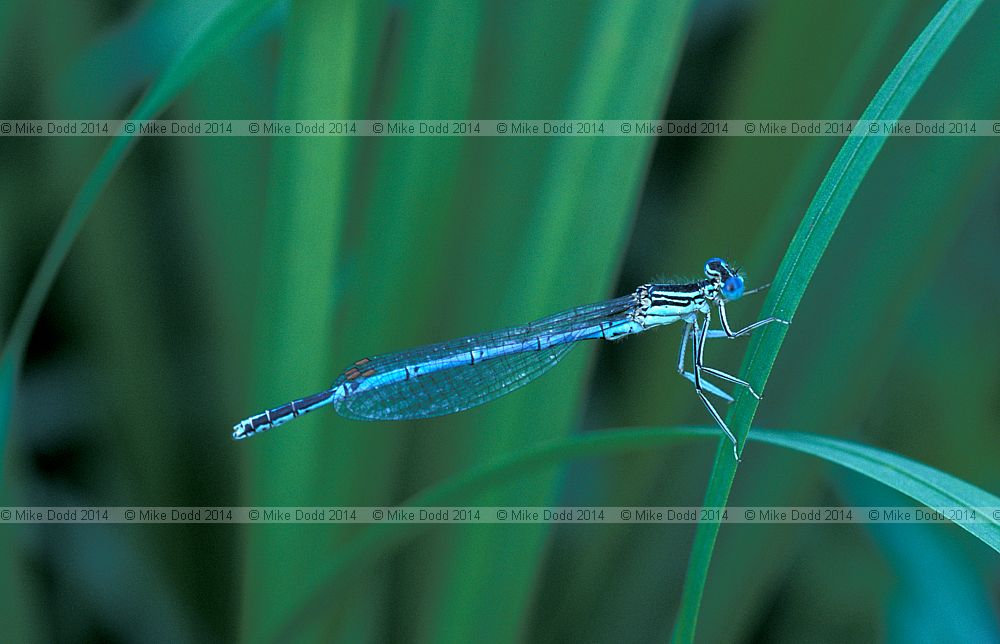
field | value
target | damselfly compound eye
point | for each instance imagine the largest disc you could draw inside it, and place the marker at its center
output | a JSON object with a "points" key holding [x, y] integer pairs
{"points": [[733, 287]]}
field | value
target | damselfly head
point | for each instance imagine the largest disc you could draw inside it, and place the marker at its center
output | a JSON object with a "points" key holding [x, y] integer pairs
{"points": [[726, 276], [718, 268]]}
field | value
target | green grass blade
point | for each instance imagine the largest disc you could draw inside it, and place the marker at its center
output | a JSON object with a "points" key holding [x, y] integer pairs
{"points": [[212, 38], [933, 488], [311, 179], [818, 225], [399, 243], [886, 275], [929, 486]]}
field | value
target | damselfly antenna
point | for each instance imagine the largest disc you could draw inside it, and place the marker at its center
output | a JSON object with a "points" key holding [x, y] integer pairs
{"points": [[756, 290]]}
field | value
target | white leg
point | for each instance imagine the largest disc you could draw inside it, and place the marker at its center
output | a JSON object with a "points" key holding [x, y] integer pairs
{"points": [[699, 355], [729, 333], [706, 385]]}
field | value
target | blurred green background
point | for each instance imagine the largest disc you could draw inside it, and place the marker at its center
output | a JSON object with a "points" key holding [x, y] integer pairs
{"points": [[218, 276]]}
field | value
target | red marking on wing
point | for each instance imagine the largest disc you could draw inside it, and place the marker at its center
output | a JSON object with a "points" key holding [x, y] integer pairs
{"points": [[368, 373], [362, 361]]}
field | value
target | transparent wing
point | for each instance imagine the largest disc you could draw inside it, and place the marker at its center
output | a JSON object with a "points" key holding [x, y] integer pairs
{"points": [[450, 390], [467, 383]]}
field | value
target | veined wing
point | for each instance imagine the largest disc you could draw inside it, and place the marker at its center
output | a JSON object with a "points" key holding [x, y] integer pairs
{"points": [[458, 374]]}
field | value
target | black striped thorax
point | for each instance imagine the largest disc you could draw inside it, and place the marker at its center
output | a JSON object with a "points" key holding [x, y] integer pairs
{"points": [[665, 303]]}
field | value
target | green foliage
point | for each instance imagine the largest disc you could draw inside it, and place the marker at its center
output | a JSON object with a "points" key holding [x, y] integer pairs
{"points": [[217, 276], [926, 485]]}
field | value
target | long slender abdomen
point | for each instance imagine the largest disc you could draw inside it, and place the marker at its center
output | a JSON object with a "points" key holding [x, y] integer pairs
{"points": [[281, 415]]}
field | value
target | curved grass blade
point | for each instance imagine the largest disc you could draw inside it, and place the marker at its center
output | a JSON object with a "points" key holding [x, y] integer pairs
{"points": [[920, 482], [885, 280], [818, 225], [213, 37]]}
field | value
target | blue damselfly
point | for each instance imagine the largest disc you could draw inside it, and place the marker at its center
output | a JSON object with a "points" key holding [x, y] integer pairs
{"points": [[444, 378]]}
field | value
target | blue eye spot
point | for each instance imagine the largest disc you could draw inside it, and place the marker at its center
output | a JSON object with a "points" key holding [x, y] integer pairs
{"points": [[733, 287], [712, 266]]}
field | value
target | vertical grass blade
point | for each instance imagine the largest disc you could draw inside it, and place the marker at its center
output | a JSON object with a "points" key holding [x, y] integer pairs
{"points": [[328, 47], [806, 249], [397, 274]]}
